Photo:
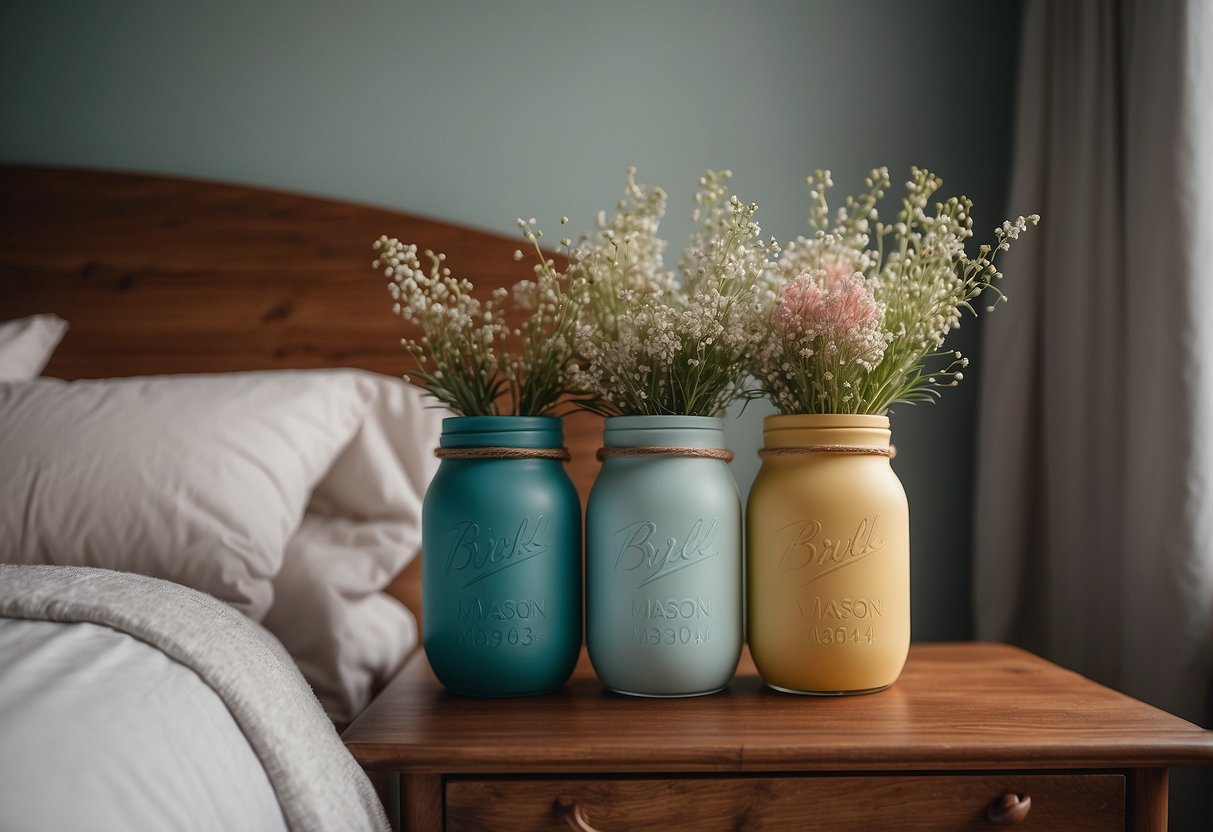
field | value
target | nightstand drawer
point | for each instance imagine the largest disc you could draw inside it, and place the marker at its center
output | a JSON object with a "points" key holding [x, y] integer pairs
{"points": [[917, 802]]}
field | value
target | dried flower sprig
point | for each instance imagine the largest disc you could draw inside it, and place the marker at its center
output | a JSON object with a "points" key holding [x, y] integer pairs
{"points": [[852, 328], [653, 344], [462, 355], [547, 370]]}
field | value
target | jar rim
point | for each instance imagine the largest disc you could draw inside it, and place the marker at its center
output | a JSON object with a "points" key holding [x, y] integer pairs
{"points": [[494, 424], [810, 421], [502, 431], [663, 422]]}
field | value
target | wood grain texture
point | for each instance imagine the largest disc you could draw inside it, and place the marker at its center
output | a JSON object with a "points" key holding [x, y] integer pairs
{"points": [[159, 275], [954, 803], [1148, 799], [167, 275], [956, 707], [421, 803]]}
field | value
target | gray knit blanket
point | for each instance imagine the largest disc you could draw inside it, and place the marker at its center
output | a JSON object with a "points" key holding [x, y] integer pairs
{"points": [[317, 782]]}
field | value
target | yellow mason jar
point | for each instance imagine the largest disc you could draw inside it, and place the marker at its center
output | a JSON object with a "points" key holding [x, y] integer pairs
{"points": [[828, 556]]}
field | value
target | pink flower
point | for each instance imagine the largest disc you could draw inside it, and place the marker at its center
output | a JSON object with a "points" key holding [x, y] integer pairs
{"points": [[834, 266], [827, 304], [837, 308]]}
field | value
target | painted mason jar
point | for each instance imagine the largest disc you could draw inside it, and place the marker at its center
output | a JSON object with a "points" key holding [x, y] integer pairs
{"points": [[501, 558], [663, 558], [828, 553]]}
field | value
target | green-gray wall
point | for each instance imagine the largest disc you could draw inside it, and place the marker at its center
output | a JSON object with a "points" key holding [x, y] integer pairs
{"points": [[485, 112]]}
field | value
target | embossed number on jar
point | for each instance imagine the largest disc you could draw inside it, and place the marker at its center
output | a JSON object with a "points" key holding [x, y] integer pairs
{"points": [[841, 635], [669, 636], [512, 637]]}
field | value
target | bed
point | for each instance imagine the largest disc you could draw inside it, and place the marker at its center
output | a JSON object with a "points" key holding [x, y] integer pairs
{"points": [[215, 314]]}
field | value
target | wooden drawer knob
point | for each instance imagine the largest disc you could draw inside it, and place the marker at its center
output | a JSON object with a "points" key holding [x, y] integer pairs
{"points": [[1009, 809], [572, 814]]}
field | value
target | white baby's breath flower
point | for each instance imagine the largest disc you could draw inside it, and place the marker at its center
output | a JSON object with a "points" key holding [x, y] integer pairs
{"points": [[653, 341], [457, 352]]}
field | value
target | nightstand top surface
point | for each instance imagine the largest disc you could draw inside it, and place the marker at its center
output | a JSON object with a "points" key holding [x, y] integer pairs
{"points": [[956, 706]]}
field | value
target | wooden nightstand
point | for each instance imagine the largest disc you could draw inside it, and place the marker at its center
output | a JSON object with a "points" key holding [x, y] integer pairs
{"points": [[966, 725]]}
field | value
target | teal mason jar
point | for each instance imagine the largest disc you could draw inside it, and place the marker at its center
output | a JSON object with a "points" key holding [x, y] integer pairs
{"points": [[663, 558], [501, 558]]}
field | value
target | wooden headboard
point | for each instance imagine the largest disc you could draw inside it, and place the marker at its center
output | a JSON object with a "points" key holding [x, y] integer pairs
{"points": [[160, 274]]}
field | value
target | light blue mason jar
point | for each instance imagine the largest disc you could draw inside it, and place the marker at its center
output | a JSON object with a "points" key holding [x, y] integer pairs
{"points": [[501, 558], [663, 559]]}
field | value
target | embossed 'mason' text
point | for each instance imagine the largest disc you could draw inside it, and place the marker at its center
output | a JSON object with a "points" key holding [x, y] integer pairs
{"points": [[671, 608], [523, 609], [842, 609], [479, 554]]}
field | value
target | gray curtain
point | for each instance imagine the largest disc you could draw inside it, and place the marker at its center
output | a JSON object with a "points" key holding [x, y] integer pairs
{"points": [[1094, 504]]}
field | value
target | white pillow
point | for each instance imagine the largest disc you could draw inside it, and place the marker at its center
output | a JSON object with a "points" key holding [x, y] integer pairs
{"points": [[362, 527], [198, 479], [329, 613], [26, 344]]}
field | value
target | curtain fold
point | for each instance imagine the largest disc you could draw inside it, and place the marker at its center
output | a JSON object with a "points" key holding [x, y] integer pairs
{"points": [[1094, 503]]}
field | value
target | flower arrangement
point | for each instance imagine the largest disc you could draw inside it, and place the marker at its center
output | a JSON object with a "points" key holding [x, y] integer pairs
{"points": [[856, 316], [850, 320], [653, 342], [463, 359]]}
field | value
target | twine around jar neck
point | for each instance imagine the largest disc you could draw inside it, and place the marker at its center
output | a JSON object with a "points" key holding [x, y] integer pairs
{"points": [[661, 450], [561, 454], [867, 450]]}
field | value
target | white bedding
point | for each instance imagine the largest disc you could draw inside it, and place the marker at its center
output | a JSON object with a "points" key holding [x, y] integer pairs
{"points": [[293, 495], [99, 730], [129, 702]]}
